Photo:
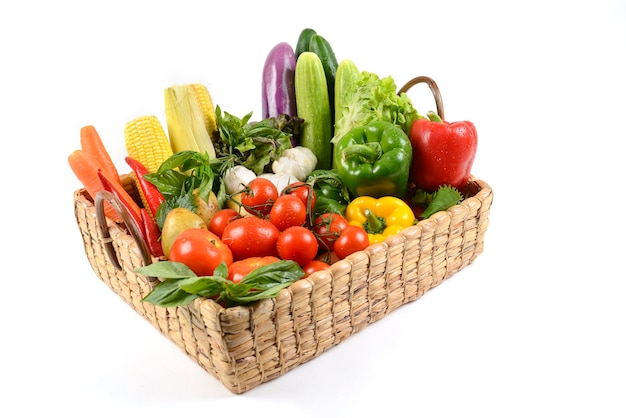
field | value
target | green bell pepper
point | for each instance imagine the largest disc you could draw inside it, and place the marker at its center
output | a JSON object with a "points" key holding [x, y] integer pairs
{"points": [[374, 160], [332, 195]]}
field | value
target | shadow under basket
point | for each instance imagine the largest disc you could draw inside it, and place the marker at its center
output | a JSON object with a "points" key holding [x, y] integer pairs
{"points": [[245, 346]]}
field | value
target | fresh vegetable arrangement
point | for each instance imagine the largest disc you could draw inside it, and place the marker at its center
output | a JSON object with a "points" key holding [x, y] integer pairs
{"points": [[236, 210]]}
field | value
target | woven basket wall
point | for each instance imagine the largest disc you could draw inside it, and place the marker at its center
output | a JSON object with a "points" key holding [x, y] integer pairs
{"points": [[246, 346]]}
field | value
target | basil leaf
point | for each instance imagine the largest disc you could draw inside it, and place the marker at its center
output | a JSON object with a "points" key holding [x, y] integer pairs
{"points": [[206, 186], [270, 292], [169, 182], [176, 160], [181, 285], [221, 270], [166, 270], [169, 294], [234, 291], [185, 200], [262, 283], [274, 273], [207, 286]]}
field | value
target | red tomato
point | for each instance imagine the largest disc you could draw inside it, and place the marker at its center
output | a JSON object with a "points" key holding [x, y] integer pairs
{"points": [[304, 191], [313, 266], [200, 250], [258, 196], [329, 258], [288, 210], [297, 243], [221, 219], [327, 228], [251, 236], [352, 239], [239, 269]]}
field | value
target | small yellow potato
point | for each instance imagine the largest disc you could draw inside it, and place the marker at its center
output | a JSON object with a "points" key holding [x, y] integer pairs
{"points": [[176, 221]]}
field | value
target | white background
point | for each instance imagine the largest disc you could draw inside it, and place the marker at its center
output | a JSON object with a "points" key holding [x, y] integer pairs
{"points": [[535, 327]]}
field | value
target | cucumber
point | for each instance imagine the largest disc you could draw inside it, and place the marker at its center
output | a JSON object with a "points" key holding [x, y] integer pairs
{"points": [[320, 46], [347, 74], [304, 40], [313, 105]]}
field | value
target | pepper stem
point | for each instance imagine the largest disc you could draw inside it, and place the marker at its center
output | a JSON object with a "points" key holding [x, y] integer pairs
{"points": [[366, 153], [434, 117], [374, 224]]}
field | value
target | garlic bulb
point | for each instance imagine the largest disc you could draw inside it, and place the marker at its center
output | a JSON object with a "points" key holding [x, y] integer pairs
{"points": [[237, 178], [298, 162]]}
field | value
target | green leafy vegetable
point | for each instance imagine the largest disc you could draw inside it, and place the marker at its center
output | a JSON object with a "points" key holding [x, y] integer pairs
{"points": [[374, 98], [180, 286], [442, 199], [169, 294], [178, 177], [253, 145]]}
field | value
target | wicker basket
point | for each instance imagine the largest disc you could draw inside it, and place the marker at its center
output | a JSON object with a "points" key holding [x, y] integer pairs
{"points": [[245, 346]]}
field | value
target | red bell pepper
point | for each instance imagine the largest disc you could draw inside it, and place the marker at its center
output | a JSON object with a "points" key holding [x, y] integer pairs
{"points": [[443, 152], [150, 192]]}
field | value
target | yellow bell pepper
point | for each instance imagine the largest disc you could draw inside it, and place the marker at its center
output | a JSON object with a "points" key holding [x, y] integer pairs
{"points": [[381, 218]]}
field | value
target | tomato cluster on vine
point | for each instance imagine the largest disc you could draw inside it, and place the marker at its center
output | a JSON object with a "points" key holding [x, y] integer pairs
{"points": [[282, 224]]}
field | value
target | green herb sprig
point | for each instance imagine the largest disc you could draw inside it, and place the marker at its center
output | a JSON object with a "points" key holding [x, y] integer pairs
{"points": [[179, 285]]}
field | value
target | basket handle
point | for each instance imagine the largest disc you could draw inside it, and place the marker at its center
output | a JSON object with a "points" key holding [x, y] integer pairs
{"points": [[433, 88], [133, 228]]}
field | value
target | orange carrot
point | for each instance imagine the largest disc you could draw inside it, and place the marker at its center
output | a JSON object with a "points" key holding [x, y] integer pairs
{"points": [[92, 144], [86, 170]]}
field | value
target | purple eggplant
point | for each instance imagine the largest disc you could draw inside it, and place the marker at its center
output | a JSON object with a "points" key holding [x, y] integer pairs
{"points": [[278, 89]]}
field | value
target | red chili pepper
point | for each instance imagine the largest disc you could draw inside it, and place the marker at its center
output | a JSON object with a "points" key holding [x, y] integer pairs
{"points": [[152, 234], [443, 152], [150, 192], [133, 209]]}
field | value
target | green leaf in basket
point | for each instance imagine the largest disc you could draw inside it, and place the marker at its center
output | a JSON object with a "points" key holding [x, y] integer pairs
{"points": [[263, 282], [253, 295], [166, 270], [274, 273], [203, 286], [255, 145], [168, 294], [169, 183], [443, 199], [180, 285], [178, 177]]}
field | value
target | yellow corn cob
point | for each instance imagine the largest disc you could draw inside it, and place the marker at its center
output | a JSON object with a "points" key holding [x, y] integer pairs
{"points": [[203, 97], [147, 142], [186, 121]]}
